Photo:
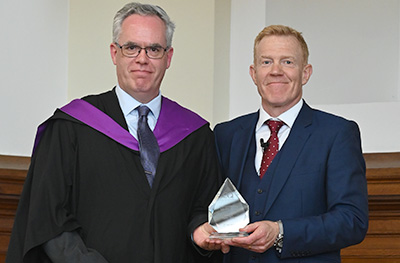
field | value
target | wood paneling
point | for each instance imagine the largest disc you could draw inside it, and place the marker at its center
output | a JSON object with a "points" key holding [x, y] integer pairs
{"points": [[382, 243], [13, 170]]}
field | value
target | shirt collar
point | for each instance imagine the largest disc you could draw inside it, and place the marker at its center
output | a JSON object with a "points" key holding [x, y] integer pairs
{"points": [[288, 117], [128, 103]]}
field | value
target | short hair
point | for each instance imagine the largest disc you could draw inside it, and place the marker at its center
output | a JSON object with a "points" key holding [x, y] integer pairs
{"points": [[144, 10], [281, 30]]}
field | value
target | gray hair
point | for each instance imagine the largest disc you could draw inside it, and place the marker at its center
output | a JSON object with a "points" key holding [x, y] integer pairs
{"points": [[144, 10]]}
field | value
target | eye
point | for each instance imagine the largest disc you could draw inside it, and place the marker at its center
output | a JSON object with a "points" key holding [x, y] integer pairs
{"points": [[266, 62], [131, 47], [155, 49], [288, 62]]}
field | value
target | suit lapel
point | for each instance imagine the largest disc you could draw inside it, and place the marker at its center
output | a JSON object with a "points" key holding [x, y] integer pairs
{"points": [[289, 153], [240, 148]]}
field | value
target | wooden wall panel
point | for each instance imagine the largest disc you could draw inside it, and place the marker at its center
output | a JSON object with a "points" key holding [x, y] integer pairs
{"points": [[382, 243], [12, 176]]}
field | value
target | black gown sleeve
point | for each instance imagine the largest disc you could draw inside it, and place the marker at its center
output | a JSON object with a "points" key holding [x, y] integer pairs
{"points": [[69, 247], [45, 209], [212, 179]]}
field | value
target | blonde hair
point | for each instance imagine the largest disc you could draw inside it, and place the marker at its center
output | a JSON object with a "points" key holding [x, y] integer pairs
{"points": [[281, 30]]}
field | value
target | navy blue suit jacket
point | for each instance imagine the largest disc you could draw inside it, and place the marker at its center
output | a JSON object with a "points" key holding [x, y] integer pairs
{"points": [[318, 187]]}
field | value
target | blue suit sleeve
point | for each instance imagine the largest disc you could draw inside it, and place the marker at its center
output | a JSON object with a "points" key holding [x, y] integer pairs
{"points": [[345, 221]]}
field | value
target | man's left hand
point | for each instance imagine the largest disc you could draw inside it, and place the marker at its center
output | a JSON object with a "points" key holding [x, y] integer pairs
{"points": [[262, 237]]}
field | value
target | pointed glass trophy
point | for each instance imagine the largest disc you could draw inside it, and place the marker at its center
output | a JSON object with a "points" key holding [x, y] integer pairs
{"points": [[228, 212]]}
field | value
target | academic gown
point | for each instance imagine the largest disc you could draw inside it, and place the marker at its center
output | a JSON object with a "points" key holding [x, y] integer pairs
{"points": [[81, 180]]}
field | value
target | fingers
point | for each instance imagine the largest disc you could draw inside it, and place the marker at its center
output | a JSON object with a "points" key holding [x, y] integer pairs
{"points": [[211, 245], [201, 238], [208, 228], [217, 244], [263, 234], [225, 248], [250, 228], [262, 237]]}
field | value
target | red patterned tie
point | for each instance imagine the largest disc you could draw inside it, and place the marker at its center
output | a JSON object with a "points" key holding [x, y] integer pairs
{"points": [[272, 145]]}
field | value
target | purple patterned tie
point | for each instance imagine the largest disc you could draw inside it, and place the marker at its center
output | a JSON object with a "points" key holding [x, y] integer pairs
{"points": [[148, 146], [272, 145]]}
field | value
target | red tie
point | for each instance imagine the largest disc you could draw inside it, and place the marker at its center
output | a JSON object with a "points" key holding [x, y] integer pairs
{"points": [[272, 145]]}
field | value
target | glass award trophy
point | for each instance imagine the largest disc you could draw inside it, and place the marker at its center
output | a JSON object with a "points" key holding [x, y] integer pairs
{"points": [[228, 212]]}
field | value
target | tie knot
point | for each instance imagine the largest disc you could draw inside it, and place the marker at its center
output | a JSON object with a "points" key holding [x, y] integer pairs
{"points": [[143, 111], [274, 126]]}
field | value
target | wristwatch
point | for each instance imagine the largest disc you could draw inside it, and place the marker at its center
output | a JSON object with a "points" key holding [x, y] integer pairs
{"points": [[278, 244]]}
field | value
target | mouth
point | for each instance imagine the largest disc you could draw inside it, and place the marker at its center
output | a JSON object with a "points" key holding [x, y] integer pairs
{"points": [[277, 83], [140, 72]]}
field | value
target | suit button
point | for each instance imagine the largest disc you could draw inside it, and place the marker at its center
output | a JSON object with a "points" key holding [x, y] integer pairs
{"points": [[257, 213], [260, 191]]}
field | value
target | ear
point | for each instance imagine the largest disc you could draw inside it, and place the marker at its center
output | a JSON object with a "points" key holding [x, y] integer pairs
{"points": [[252, 71], [170, 52], [307, 71], [113, 52]]}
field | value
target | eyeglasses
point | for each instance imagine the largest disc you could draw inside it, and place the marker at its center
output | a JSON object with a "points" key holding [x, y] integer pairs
{"points": [[132, 51]]}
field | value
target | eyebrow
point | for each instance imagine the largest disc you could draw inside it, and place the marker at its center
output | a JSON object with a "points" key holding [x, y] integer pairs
{"points": [[130, 43], [280, 58]]}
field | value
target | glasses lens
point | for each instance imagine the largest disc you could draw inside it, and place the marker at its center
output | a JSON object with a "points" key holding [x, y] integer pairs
{"points": [[155, 52], [134, 50], [131, 50]]}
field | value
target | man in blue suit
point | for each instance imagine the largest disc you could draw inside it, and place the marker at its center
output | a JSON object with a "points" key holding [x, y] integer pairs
{"points": [[312, 200]]}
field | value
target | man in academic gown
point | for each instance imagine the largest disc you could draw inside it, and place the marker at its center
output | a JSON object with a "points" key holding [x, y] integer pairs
{"points": [[87, 198]]}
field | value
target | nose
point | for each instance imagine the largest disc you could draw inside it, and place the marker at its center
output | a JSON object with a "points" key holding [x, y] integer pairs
{"points": [[142, 56], [276, 68]]}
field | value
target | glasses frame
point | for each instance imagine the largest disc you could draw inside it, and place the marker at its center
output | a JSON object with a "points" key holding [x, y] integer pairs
{"points": [[141, 48]]}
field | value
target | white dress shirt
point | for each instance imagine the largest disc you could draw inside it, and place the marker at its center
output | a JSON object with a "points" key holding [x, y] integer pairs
{"points": [[128, 105], [262, 130]]}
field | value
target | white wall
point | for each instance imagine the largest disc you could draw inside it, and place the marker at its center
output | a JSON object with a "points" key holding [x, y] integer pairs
{"points": [[190, 78], [354, 49], [246, 22], [54, 51], [33, 68]]}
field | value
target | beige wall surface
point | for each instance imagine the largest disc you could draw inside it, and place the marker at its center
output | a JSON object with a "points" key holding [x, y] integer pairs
{"points": [[354, 50], [189, 80], [33, 68], [68, 57]]}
